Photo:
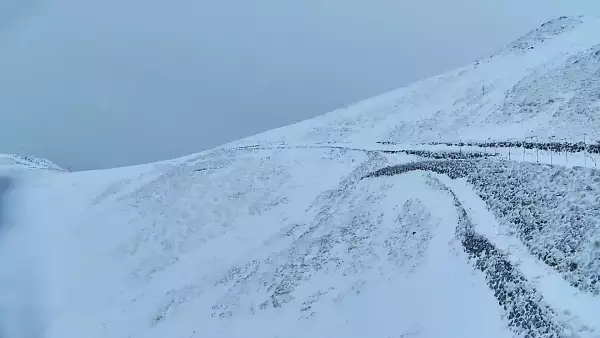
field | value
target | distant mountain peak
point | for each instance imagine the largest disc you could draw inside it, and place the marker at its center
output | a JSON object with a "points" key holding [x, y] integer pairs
{"points": [[29, 162], [546, 31]]}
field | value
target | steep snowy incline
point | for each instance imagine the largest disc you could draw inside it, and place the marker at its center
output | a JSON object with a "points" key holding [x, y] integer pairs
{"points": [[544, 86], [318, 230]]}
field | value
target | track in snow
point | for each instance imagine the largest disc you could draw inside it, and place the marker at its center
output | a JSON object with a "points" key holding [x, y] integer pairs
{"points": [[528, 312]]}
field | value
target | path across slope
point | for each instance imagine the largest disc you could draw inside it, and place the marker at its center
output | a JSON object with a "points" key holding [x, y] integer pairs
{"points": [[520, 154]]}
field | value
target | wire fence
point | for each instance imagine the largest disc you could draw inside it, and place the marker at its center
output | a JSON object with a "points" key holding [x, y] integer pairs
{"points": [[528, 147], [573, 147]]}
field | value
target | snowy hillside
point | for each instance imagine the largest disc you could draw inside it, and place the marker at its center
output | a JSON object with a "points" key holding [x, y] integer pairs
{"points": [[21, 162], [545, 85], [348, 225]]}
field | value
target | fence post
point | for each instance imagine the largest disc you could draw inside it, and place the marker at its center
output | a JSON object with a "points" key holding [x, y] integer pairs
{"points": [[551, 148], [584, 152]]}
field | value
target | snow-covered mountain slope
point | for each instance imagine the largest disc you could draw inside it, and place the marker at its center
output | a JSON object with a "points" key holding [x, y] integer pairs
{"points": [[318, 230], [17, 162], [543, 85]]}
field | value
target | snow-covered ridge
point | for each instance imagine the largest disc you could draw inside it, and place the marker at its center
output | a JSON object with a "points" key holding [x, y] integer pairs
{"points": [[546, 31], [13, 161]]}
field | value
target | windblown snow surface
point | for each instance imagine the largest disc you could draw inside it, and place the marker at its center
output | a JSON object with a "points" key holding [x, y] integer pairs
{"points": [[346, 225]]}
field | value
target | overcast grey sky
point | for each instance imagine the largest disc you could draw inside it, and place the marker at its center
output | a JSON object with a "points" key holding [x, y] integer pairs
{"points": [[104, 83]]}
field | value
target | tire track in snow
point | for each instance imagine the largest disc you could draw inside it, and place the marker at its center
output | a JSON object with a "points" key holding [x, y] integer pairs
{"points": [[553, 212], [572, 305], [527, 312]]}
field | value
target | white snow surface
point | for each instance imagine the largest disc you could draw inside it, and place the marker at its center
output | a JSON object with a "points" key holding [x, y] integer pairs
{"points": [[283, 235]]}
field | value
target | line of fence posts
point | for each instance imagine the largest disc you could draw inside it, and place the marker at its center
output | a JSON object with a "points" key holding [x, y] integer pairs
{"points": [[485, 146], [527, 141]]}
